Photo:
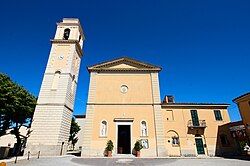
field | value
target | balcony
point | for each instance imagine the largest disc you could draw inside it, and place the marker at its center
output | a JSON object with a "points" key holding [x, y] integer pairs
{"points": [[197, 124]]}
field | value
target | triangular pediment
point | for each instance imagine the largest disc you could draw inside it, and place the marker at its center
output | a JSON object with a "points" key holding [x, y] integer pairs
{"points": [[124, 64]]}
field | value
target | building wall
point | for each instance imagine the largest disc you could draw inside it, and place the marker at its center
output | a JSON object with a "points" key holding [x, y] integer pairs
{"points": [[9, 140], [141, 102], [244, 108], [108, 88], [107, 102], [109, 113], [80, 122], [233, 146], [176, 120], [245, 111]]}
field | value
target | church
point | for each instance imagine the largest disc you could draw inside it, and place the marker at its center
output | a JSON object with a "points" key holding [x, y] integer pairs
{"points": [[123, 106]]}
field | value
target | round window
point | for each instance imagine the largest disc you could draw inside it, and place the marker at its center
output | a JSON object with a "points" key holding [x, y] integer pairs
{"points": [[124, 89]]}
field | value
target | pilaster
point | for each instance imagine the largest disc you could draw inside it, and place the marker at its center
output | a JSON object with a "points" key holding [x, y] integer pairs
{"points": [[159, 130], [88, 126]]}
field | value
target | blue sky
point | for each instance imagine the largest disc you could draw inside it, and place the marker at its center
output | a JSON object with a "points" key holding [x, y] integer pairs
{"points": [[202, 46]]}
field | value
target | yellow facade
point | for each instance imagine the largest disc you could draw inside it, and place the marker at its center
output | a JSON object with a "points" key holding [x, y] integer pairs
{"points": [[124, 106], [243, 103], [176, 122]]}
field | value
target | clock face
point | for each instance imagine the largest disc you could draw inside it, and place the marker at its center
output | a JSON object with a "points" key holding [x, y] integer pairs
{"points": [[60, 57], [124, 89]]}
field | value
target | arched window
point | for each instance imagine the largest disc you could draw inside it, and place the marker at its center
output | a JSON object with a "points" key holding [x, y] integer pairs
{"points": [[73, 84], [76, 62], [66, 34], [173, 138], [103, 129], [144, 130], [80, 37], [56, 80]]}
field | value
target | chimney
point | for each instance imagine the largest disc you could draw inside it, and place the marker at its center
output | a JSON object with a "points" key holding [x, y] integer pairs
{"points": [[168, 99]]}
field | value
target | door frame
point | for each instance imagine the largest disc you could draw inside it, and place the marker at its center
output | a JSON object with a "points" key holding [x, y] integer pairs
{"points": [[116, 135], [202, 145]]}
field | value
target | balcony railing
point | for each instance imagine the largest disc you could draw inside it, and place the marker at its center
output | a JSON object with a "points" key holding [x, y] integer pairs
{"points": [[199, 123]]}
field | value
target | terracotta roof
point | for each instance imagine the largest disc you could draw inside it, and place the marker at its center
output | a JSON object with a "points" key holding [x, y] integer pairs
{"points": [[185, 103], [195, 105], [140, 66], [248, 93]]}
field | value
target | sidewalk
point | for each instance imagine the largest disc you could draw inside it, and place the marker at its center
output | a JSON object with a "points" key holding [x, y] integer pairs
{"points": [[12, 159]]}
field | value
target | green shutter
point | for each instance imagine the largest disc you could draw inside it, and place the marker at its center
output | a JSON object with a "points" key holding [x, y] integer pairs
{"points": [[199, 146], [195, 118], [217, 115]]}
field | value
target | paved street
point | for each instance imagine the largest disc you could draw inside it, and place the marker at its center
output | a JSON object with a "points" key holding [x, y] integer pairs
{"points": [[75, 161]]}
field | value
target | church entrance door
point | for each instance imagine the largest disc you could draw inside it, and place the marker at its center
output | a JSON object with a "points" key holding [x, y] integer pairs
{"points": [[124, 139]]}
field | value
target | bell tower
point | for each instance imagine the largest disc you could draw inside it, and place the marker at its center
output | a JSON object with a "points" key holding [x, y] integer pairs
{"points": [[52, 118]]}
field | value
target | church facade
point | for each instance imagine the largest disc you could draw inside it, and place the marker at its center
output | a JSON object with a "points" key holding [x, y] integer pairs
{"points": [[124, 106]]}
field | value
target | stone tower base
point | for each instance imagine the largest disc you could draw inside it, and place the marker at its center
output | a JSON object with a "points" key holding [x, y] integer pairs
{"points": [[46, 150]]}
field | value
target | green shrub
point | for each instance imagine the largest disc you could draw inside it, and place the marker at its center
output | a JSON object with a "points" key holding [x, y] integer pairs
{"points": [[109, 146], [138, 146]]}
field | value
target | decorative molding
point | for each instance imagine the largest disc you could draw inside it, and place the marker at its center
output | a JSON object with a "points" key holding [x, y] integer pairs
{"points": [[123, 69], [55, 104], [78, 47], [123, 119], [52, 73], [165, 106], [152, 104], [141, 66]]}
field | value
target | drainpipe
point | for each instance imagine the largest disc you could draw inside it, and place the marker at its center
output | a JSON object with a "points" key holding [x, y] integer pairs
{"points": [[206, 144]]}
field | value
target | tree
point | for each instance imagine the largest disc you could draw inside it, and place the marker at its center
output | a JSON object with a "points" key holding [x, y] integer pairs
{"points": [[74, 129], [17, 106]]}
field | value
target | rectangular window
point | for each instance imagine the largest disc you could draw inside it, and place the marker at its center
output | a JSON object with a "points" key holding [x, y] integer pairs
{"points": [[217, 115], [195, 118], [170, 115]]}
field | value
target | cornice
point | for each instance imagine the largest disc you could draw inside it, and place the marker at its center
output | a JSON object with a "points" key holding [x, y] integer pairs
{"points": [[134, 104], [121, 70], [193, 105], [242, 97], [139, 66], [78, 47], [124, 60], [55, 104]]}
